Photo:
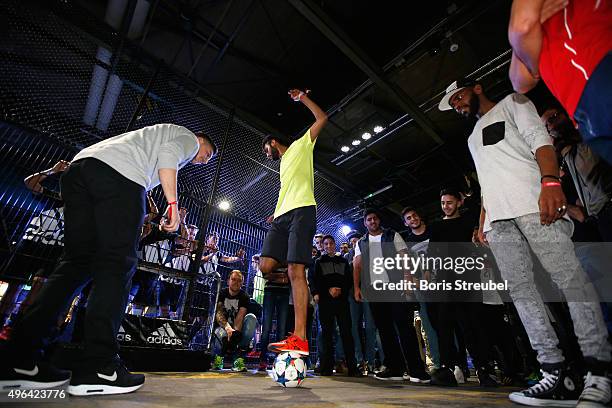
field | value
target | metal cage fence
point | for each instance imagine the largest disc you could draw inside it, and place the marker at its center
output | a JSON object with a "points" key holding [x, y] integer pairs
{"points": [[69, 81]]}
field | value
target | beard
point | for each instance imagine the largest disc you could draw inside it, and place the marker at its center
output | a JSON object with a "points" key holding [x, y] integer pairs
{"points": [[275, 153], [474, 107]]}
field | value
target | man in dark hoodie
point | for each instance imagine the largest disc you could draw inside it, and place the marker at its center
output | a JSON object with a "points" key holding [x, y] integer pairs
{"points": [[332, 282]]}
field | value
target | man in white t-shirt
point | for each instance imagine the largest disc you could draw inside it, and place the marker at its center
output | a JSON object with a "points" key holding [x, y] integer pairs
{"points": [[393, 315], [525, 211]]}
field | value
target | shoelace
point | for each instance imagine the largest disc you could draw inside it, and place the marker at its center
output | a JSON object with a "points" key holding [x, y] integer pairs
{"points": [[545, 383], [596, 388]]}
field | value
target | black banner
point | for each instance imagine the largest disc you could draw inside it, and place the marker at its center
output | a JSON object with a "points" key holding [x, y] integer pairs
{"points": [[143, 331]]}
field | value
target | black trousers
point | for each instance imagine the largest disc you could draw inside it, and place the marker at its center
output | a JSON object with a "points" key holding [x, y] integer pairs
{"points": [[395, 324], [103, 214], [445, 316], [330, 311]]}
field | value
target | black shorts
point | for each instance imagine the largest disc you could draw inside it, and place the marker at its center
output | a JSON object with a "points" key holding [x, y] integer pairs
{"points": [[143, 289], [290, 236]]}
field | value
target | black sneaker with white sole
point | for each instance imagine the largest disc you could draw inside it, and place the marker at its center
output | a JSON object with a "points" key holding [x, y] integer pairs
{"points": [[419, 377], [596, 392], [388, 375], [112, 379], [555, 389], [31, 375]]}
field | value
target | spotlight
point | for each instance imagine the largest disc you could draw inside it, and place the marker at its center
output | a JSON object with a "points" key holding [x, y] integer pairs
{"points": [[356, 142], [378, 129], [454, 47], [224, 205], [345, 149], [366, 136], [345, 230]]}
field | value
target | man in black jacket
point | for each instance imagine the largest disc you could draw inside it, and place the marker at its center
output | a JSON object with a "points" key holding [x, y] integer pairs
{"points": [[332, 282]]}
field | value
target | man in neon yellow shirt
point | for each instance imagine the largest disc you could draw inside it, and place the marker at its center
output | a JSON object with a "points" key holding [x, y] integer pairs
{"points": [[289, 240]]}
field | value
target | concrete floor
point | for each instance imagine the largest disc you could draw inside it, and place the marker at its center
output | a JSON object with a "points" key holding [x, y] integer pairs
{"points": [[245, 390]]}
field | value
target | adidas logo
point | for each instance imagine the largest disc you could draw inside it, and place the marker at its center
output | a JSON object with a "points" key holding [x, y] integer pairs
{"points": [[123, 336], [165, 335]]}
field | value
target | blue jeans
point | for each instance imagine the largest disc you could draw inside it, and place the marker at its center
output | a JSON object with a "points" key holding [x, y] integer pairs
{"points": [[593, 111], [362, 316], [249, 325], [274, 299]]}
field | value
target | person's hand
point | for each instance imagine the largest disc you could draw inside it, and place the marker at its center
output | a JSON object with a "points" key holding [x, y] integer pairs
{"points": [[335, 292], [550, 8], [552, 204], [172, 220], [60, 166], [229, 332], [358, 295], [316, 298], [479, 238], [270, 219], [297, 94]]}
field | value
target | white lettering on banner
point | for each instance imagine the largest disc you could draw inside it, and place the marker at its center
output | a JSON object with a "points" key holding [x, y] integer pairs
{"points": [[164, 335]]}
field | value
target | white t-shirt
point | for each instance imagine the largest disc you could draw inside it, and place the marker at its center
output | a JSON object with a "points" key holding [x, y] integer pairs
{"points": [[376, 252], [503, 145]]}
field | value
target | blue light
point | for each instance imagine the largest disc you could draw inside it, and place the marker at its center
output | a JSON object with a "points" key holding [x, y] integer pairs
{"points": [[345, 230]]}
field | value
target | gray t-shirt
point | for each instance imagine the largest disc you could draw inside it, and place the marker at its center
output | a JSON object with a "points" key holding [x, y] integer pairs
{"points": [[503, 145], [138, 155]]}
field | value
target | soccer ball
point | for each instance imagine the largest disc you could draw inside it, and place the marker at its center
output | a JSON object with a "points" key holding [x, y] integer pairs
{"points": [[289, 370]]}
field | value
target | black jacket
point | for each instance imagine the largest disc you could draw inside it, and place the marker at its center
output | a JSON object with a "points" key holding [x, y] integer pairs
{"points": [[331, 272]]}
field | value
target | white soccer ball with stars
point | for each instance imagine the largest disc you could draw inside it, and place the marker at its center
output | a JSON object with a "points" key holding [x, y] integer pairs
{"points": [[289, 370]]}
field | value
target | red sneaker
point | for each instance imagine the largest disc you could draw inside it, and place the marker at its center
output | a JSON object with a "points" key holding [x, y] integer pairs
{"points": [[291, 343]]}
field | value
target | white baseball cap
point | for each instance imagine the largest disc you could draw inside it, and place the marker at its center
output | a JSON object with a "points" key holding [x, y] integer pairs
{"points": [[452, 89]]}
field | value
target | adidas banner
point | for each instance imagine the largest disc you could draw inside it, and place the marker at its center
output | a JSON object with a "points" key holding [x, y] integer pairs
{"points": [[149, 332]]}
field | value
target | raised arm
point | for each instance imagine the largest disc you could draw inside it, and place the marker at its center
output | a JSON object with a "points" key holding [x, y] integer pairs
{"points": [[525, 33], [33, 181], [319, 114]]}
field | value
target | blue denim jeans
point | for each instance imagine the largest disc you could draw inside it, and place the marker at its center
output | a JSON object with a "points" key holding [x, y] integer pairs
{"points": [[249, 325], [361, 317], [593, 110], [274, 300]]}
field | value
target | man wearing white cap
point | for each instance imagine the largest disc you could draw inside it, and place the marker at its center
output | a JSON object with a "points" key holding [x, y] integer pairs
{"points": [[523, 211]]}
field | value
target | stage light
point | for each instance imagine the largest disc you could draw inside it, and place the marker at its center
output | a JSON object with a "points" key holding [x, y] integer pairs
{"points": [[345, 230], [366, 136], [378, 129], [345, 149], [356, 142], [224, 205]]}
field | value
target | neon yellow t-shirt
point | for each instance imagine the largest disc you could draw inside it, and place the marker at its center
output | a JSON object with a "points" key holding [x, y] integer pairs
{"points": [[296, 176]]}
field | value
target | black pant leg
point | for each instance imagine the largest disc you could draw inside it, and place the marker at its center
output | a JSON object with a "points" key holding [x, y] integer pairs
{"points": [[72, 272], [470, 315], [328, 327], [403, 316], [386, 329], [442, 319], [343, 316], [119, 211]]}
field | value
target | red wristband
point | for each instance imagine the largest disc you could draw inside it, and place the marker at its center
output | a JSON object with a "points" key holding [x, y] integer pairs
{"points": [[173, 203], [551, 184]]}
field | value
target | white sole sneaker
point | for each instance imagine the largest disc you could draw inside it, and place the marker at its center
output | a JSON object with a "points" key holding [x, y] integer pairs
{"points": [[30, 385], [417, 380], [520, 398], [99, 389]]}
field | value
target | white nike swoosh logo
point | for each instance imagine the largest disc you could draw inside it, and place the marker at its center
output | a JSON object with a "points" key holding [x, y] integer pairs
{"points": [[108, 377], [31, 372]]}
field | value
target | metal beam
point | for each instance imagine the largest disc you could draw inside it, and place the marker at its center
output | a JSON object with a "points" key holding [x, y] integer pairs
{"points": [[340, 39]]}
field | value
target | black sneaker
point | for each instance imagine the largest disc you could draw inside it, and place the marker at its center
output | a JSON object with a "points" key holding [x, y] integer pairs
{"points": [[113, 379], [444, 377], [596, 392], [419, 377], [486, 378], [555, 389], [32, 375], [388, 375]]}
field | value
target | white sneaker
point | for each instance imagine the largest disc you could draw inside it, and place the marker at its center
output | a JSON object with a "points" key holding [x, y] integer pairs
{"points": [[459, 375], [596, 392]]}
